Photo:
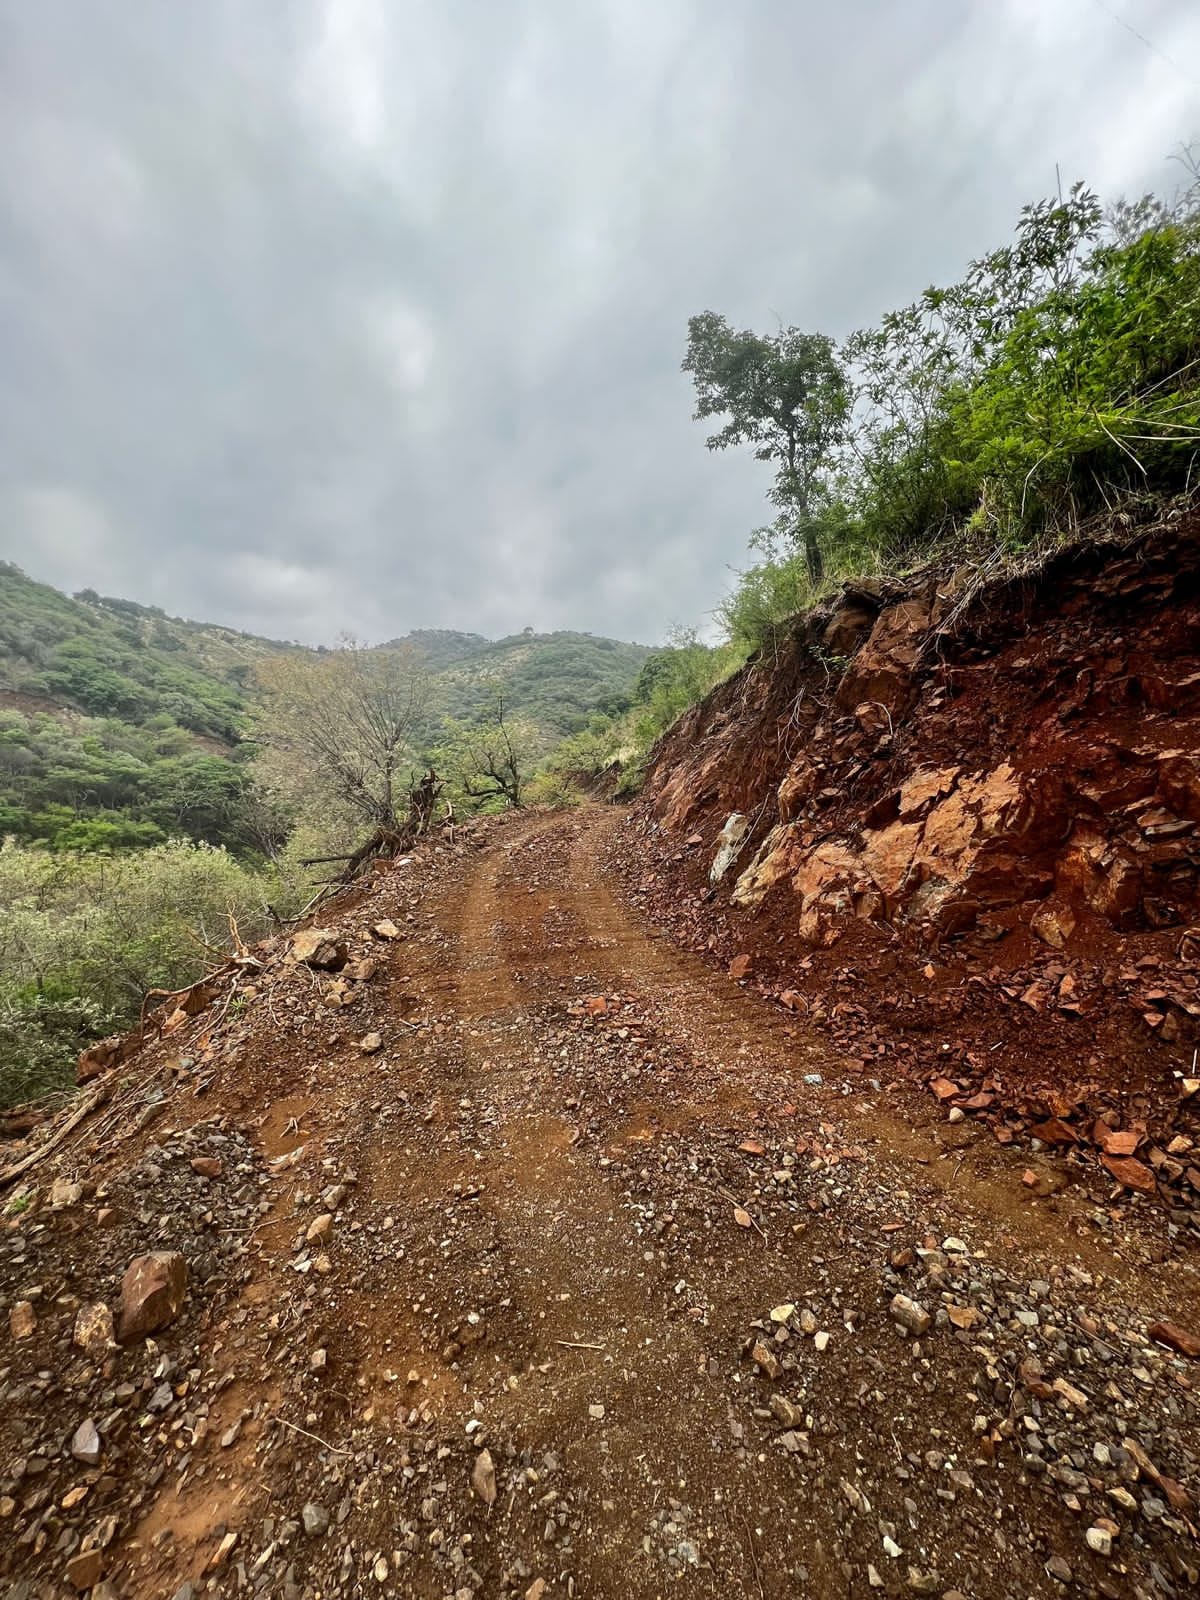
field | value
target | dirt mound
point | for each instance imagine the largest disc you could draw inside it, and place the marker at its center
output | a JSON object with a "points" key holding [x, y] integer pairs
{"points": [[958, 829]]}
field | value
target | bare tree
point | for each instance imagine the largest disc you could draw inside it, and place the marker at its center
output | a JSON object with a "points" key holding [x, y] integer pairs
{"points": [[493, 757], [339, 728]]}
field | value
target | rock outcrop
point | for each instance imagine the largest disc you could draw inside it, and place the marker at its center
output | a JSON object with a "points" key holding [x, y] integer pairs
{"points": [[1036, 743], [973, 846]]}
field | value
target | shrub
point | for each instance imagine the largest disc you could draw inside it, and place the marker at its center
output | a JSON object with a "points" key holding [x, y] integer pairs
{"points": [[83, 937]]}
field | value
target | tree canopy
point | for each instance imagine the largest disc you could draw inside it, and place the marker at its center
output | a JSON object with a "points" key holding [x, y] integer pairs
{"points": [[784, 393]]}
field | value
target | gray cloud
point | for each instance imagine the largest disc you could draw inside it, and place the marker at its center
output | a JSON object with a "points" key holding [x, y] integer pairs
{"points": [[368, 314]]}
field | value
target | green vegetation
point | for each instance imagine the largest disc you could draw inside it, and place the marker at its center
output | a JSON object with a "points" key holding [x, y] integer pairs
{"points": [[487, 762], [554, 681], [1058, 380], [121, 727], [616, 748], [157, 774], [84, 936]]}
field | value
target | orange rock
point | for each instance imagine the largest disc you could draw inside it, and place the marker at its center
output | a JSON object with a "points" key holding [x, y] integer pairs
{"points": [[1131, 1174], [1053, 923], [1054, 1131], [1176, 1338], [152, 1293], [964, 1317]]}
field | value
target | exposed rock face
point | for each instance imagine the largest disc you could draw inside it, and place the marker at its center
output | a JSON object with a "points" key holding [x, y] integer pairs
{"points": [[1037, 749], [152, 1293]]}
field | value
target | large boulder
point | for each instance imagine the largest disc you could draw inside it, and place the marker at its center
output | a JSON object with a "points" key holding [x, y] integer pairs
{"points": [[152, 1293]]}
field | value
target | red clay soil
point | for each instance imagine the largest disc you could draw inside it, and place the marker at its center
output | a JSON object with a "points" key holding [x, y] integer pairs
{"points": [[970, 847], [525, 1255]]}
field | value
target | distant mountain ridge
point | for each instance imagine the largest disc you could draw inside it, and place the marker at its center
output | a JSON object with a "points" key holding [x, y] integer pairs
{"points": [[115, 713]]}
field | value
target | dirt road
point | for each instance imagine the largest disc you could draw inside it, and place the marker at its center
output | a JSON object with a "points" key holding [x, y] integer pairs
{"points": [[584, 1283]]}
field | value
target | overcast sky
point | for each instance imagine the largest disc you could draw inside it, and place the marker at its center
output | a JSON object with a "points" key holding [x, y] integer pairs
{"points": [[328, 315]]}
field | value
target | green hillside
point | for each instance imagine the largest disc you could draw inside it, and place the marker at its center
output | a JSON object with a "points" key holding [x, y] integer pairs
{"points": [[556, 680], [120, 725]]}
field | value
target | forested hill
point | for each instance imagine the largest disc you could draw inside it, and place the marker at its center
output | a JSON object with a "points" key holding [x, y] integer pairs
{"points": [[122, 725], [557, 680]]}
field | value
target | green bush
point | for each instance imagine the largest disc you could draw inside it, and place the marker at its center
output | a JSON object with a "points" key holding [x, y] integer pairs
{"points": [[671, 680], [83, 937], [1059, 378]]}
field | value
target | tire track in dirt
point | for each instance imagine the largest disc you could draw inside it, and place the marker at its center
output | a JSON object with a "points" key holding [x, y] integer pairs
{"points": [[580, 1265]]}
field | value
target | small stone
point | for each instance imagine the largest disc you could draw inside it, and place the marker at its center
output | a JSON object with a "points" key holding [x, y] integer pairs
{"points": [[596, 1413], [319, 947], [890, 1547], [386, 929], [911, 1316], [223, 1549], [785, 1411], [319, 1229], [483, 1477], [207, 1166], [83, 1569], [22, 1319], [765, 1359], [1099, 1540], [782, 1313], [371, 1044], [64, 1193], [161, 1398], [94, 1331], [1058, 1569], [1176, 1338], [821, 1340], [1074, 1397], [85, 1443], [315, 1519]]}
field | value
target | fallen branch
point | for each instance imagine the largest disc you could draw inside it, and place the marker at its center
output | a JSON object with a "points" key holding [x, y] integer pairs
{"points": [[97, 1097]]}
